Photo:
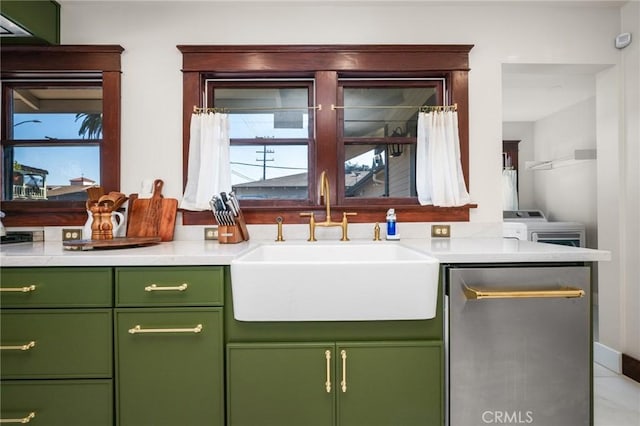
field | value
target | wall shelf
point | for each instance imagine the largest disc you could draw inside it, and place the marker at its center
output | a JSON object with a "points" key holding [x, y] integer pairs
{"points": [[578, 156]]}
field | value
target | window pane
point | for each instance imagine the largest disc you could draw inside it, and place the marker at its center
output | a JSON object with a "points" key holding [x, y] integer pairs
{"points": [[378, 112], [386, 170], [265, 113], [57, 113], [269, 171], [52, 173]]}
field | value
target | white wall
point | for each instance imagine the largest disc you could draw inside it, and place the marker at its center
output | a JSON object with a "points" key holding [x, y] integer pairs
{"points": [[152, 85], [503, 32], [568, 193], [630, 229]]}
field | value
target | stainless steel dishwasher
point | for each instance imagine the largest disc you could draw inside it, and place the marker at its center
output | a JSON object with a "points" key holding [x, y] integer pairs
{"points": [[519, 345]]}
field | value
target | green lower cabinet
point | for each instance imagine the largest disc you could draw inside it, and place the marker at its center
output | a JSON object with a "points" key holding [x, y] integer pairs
{"points": [[280, 384], [390, 383], [169, 366], [344, 384], [57, 402]]}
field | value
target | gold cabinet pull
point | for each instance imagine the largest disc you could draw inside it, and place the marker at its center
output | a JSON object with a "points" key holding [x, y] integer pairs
{"points": [[23, 420], [24, 347], [474, 293], [26, 289], [327, 384], [343, 383], [138, 330], [155, 287]]}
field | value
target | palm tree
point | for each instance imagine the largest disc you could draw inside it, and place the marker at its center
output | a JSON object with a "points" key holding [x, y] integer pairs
{"points": [[91, 125]]}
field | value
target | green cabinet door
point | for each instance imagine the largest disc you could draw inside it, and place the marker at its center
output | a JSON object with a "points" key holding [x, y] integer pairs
{"points": [[169, 365], [390, 383], [280, 384]]}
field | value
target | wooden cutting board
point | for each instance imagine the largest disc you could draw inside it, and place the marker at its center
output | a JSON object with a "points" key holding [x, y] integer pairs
{"points": [[152, 217]]}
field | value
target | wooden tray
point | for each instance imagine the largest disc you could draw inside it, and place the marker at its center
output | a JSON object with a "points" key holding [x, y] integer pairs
{"points": [[116, 243]]}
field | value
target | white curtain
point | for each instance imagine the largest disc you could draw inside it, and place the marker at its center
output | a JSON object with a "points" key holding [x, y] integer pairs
{"points": [[439, 177], [509, 189], [209, 170]]}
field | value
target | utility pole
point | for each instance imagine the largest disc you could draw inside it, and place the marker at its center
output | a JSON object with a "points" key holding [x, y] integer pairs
{"points": [[264, 160]]}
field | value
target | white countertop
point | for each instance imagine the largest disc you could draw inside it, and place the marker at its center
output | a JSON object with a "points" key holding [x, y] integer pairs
{"points": [[175, 253]]}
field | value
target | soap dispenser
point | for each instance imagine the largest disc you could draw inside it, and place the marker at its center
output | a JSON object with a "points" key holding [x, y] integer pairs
{"points": [[392, 231]]}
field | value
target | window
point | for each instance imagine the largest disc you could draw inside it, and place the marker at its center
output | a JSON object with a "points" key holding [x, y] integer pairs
{"points": [[271, 132], [61, 130], [379, 121], [357, 122], [52, 151]]}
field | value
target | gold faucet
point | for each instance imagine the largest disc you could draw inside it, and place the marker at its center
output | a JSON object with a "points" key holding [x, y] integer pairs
{"points": [[326, 195]]}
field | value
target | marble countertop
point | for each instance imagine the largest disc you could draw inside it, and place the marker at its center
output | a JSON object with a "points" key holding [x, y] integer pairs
{"points": [[176, 253]]}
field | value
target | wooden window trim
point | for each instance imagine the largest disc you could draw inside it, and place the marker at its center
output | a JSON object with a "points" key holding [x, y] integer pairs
{"points": [[19, 61], [326, 63]]}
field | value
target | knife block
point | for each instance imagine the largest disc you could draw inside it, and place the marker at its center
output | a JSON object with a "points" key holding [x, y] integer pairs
{"points": [[229, 234]]}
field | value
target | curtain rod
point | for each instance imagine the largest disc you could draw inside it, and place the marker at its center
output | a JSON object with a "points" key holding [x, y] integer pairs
{"points": [[199, 110], [421, 108]]}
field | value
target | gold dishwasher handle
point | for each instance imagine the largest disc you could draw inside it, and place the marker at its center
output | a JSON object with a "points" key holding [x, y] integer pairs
{"points": [[26, 289], [474, 293], [24, 347], [23, 420], [154, 287], [343, 383], [327, 384], [138, 330]]}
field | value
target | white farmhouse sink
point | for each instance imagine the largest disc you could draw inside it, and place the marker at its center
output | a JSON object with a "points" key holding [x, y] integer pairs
{"points": [[334, 282]]}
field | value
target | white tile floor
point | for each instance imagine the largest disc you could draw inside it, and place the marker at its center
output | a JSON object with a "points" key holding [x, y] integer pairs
{"points": [[616, 399]]}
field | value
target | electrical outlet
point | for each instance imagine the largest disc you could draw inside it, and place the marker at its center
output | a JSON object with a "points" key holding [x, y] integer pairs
{"points": [[441, 231], [211, 233], [71, 234]]}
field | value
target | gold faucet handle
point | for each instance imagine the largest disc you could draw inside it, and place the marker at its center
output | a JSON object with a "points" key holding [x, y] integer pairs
{"points": [[310, 214], [345, 214]]}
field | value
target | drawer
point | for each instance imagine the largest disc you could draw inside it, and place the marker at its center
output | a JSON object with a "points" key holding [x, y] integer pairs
{"points": [[58, 402], [56, 287], [67, 343], [170, 286]]}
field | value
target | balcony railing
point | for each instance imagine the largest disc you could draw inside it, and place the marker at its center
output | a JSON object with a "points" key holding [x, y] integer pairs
{"points": [[23, 192]]}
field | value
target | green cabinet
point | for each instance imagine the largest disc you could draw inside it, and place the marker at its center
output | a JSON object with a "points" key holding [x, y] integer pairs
{"points": [[343, 383], [56, 343], [169, 359]]}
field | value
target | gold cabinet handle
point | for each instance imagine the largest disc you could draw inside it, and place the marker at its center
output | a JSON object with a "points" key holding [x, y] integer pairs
{"points": [[138, 330], [26, 289], [155, 287], [474, 293], [327, 384], [343, 383], [24, 347], [23, 420]]}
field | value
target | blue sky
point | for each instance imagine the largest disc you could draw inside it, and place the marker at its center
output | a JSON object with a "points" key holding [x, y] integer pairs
{"points": [[62, 162]]}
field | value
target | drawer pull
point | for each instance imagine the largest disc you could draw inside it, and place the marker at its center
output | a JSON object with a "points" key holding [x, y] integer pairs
{"points": [[474, 293], [154, 287], [24, 347], [23, 420], [26, 289], [138, 329]]}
